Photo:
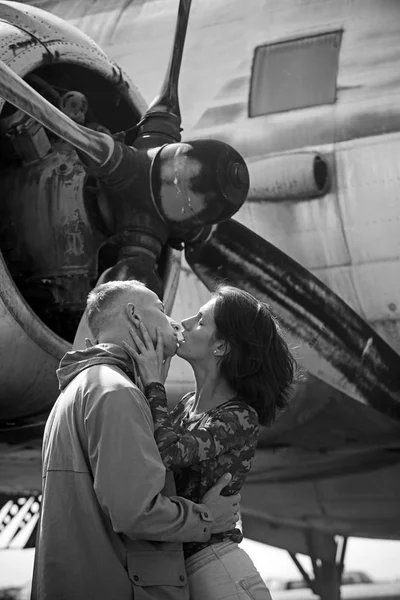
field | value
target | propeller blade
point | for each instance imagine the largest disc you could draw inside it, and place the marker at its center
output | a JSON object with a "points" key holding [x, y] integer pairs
{"points": [[167, 101], [335, 343], [98, 146]]}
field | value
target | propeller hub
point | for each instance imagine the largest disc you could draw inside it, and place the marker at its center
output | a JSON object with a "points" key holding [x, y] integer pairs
{"points": [[198, 183], [239, 175]]}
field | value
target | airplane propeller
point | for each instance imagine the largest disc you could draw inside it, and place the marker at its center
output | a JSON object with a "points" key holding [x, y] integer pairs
{"points": [[337, 339], [158, 189], [161, 190]]}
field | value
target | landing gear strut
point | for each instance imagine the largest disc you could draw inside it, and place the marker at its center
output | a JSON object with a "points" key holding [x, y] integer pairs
{"points": [[327, 571]]}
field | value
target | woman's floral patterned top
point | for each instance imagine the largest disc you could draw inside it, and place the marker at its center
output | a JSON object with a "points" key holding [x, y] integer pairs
{"points": [[200, 448]]}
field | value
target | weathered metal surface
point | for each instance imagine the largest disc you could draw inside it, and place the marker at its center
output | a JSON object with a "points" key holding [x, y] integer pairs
{"points": [[311, 231], [215, 82], [42, 38], [368, 181], [214, 101], [292, 176], [58, 253], [129, 213], [98, 146], [30, 353], [367, 84], [299, 465], [157, 192], [20, 468], [45, 26], [344, 505], [372, 289], [320, 418], [336, 344]]}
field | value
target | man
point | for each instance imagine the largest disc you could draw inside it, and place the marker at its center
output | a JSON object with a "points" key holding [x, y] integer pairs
{"points": [[111, 526]]}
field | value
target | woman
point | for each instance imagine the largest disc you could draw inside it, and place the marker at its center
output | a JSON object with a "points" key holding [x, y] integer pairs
{"points": [[243, 371]]}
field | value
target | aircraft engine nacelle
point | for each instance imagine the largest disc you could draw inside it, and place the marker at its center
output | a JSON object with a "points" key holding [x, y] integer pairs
{"points": [[53, 240]]}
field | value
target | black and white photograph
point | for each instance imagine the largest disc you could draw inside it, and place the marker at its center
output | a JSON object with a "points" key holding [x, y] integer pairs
{"points": [[200, 300]]}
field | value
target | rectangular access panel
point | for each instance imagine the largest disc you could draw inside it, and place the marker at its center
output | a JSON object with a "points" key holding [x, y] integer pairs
{"points": [[294, 74]]}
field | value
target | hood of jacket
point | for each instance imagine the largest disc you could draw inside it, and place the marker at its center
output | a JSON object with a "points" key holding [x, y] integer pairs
{"points": [[76, 361]]}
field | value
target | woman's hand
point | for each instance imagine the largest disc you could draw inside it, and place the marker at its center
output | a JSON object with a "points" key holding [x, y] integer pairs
{"points": [[148, 359]]}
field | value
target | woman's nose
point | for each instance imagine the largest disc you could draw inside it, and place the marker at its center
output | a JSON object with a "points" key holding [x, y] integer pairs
{"points": [[184, 324]]}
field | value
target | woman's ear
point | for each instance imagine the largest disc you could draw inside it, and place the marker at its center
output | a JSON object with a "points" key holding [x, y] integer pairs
{"points": [[132, 314], [221, 347]]}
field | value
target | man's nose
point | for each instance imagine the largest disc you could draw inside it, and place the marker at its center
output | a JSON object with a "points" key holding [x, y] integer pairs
{"points": [[175, 326]]}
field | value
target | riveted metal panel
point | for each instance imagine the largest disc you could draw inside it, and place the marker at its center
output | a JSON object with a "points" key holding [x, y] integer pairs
{"points": [[368, 177], [309, 230]]}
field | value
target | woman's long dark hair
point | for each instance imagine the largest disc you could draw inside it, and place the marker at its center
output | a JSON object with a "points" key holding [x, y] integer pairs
{"points": [[258, 364]]}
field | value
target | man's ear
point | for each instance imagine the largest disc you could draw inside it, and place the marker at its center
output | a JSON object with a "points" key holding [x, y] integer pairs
{"points": [[132, 314], [221, 347]]}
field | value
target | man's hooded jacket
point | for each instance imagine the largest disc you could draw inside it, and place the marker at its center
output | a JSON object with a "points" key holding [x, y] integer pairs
{"points": [[110, 525]]}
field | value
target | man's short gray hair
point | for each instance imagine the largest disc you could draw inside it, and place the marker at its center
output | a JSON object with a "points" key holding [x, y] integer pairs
{"points": [[102, 299]]}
